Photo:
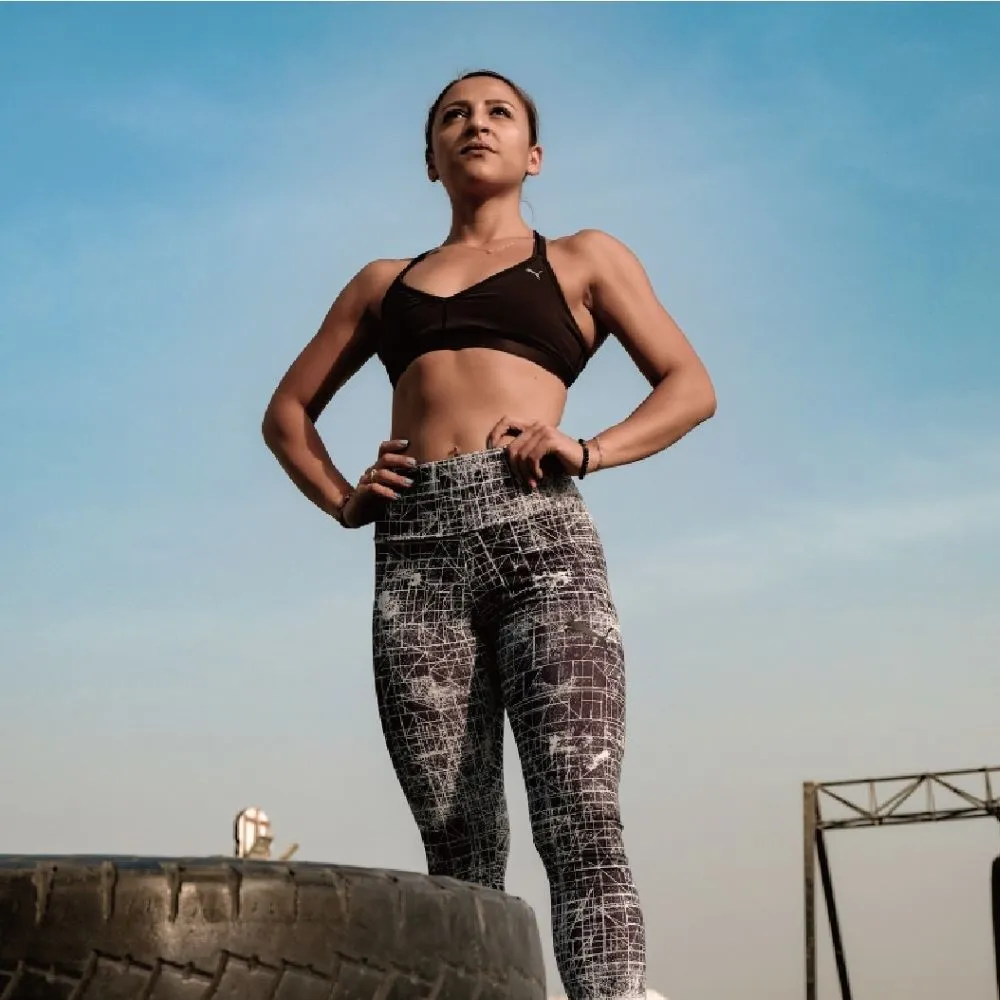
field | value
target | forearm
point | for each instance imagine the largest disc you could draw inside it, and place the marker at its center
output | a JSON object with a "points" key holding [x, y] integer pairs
{"points": [[677, 405], [294, 441]]}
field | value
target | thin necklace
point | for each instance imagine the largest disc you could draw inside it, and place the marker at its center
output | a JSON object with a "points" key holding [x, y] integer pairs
{"points": [[503, 246]]}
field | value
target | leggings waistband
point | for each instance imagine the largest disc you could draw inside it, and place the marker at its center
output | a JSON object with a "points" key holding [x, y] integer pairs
{"points": [[457, 495]]}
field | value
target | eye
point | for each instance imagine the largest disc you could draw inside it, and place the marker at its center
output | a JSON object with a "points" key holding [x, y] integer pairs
{"points": [[450, 114], [502, 110]]}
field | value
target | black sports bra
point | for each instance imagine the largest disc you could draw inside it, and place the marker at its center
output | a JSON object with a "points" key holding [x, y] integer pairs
{"points": [[520, 310]]}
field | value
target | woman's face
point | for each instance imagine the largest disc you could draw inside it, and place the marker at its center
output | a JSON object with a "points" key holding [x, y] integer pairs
{"points": [[481, 138]]}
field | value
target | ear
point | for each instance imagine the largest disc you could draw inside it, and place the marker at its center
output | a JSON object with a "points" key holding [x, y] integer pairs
{"points": [[432, 174], [534, 161]]}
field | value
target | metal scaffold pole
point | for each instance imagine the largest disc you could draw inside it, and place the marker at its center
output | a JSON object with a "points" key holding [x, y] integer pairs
{"points": [[897, 800]]}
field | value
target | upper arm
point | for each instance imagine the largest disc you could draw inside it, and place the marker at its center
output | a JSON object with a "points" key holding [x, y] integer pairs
{"points": [[344, 341], [623, 300]]}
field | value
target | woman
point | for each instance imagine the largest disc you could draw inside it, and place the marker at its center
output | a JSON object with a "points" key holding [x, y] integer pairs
{"points": [[491, 586]]}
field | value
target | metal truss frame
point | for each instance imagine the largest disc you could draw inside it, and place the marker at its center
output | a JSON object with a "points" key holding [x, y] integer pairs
{"points": [[867, 802]]}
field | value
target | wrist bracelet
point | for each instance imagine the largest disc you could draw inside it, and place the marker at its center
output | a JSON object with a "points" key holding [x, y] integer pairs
{"points": [[586, 457]]}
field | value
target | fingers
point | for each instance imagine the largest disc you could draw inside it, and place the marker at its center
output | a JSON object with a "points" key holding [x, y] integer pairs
{"points": [[392, 460], [381, 491], [382, 472], [381, 482], [369, 488], [527, 452], [525, 460], [504, 427], [386, 477], [380, 479], [393, 444], [496, 433]]}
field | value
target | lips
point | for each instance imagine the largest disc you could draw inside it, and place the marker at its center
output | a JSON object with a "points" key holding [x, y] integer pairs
{"points": [[471, 147]]}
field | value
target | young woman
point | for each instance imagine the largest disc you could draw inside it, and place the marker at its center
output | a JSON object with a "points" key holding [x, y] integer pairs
{"points": [[491, 587]]}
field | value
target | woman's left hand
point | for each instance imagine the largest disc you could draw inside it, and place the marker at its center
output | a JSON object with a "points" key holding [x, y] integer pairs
{"points": [[532, 441]]}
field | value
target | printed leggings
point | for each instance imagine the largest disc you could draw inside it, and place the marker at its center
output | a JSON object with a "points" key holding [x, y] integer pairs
{"points": [[490, 598]]}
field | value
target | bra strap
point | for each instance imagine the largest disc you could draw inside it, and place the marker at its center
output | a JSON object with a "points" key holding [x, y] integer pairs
{"points": [[413, 263]]}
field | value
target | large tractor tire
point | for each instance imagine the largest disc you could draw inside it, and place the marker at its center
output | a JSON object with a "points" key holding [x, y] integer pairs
{"points": [[93, 928]]}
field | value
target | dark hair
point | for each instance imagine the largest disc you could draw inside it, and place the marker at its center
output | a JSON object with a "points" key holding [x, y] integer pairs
{"points": [[529, 105]]}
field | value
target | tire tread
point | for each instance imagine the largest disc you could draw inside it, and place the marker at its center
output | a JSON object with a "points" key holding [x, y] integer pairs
{"points": [[84, 929]]}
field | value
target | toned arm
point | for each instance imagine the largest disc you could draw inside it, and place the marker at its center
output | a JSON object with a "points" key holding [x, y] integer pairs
{"points": [[623, 300], [343, 343]]}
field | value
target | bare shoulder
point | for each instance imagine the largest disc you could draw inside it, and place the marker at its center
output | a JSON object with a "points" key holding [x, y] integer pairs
{"points": [[593, 243], [608, 270], [374, 279], [604, 257]]}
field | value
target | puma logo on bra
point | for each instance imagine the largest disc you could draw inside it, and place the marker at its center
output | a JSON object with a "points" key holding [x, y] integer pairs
{"points": [[503, 311]]}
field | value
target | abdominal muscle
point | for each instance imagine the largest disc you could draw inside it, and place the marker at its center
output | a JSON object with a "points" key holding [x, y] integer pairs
{"points": [[447, 402]]}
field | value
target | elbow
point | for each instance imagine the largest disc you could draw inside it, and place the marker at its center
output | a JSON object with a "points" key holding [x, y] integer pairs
{"points": [[705, 395], [692, 390], [279, 416], [701, 397], [269, 426], [709, 402]]}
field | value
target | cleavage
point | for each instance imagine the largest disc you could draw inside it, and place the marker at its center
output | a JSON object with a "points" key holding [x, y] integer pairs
{"points": [[453, 281]]}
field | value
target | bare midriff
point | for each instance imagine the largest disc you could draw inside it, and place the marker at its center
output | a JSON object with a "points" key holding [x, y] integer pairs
{"points": [[447, 402]]}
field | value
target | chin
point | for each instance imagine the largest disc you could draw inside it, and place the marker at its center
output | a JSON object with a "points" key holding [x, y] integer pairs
{"points": [[485, 180]]}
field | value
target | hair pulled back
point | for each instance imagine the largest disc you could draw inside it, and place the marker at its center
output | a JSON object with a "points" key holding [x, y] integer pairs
{"points": [[522, 95]]}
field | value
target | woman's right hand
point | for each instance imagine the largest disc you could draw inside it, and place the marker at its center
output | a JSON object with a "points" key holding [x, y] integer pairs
{"points": [[378, 482]]}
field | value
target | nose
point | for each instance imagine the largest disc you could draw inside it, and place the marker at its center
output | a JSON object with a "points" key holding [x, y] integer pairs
{"points": [[478, 121]]}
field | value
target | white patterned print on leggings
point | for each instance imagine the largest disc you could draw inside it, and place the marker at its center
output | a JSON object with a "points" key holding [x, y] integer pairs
{"points": [[492, 598]]}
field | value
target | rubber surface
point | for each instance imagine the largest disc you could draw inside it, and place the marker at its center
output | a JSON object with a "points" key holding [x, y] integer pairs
{"points": [[106, 928]]}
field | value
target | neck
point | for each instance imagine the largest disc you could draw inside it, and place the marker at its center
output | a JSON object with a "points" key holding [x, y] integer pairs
{"points": [[497, 218]]}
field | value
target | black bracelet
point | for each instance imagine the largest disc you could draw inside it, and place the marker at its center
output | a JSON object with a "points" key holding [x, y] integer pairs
{"points": [[586, 457]]}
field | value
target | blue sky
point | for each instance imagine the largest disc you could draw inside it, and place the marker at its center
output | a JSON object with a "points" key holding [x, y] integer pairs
{"points": [[808, 584]]}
